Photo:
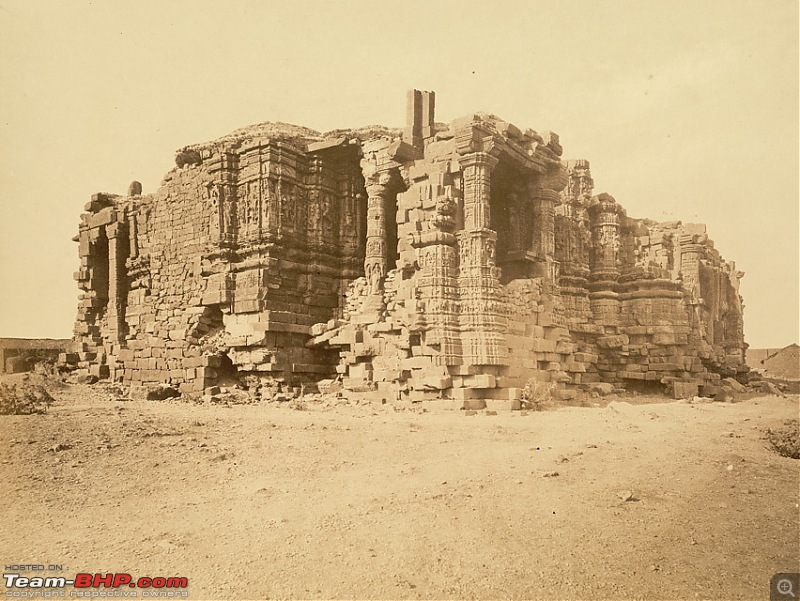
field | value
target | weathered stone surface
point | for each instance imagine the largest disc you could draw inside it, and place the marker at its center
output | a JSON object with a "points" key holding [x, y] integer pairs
{"points": [[458, 261]]}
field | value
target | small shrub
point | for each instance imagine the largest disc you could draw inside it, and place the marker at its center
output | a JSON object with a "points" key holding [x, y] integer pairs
{"points": [[23, 399], [536, 395]]}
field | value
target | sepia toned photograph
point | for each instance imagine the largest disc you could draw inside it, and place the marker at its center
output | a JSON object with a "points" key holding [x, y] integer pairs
{"points": [[423, 300]]}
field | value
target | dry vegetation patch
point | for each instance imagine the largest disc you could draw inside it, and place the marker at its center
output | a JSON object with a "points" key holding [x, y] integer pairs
{"points": [[786, 439]]}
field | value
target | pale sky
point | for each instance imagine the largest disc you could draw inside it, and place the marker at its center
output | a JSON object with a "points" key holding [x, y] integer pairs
{"points": [[687, 110]]}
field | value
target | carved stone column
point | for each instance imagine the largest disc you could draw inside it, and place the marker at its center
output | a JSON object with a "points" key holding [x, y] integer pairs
{"points": [[605, 239], [437, 257], [482, 323], [604, 260], [376, 256], [477, 168], [117, 256], [692, 250]]}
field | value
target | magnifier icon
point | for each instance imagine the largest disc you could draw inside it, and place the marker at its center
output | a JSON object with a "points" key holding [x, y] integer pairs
{"points": [[784, 587]]}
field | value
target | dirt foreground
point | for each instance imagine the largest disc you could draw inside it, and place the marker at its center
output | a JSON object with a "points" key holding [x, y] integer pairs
{"points": [[644, 498]]}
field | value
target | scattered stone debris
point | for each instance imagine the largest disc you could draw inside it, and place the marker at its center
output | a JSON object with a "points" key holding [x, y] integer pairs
{"points": [[735, 385], [160, 392], [758, 385]]}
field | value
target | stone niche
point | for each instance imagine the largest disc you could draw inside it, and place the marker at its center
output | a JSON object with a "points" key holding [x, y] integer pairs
{"points": [[450, 262]]}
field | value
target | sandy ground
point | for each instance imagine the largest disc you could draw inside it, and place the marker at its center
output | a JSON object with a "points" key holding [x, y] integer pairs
{"points": [[265, 501]]}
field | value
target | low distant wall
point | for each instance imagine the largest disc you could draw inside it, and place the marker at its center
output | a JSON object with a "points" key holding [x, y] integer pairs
{"points": [[20, 354]]}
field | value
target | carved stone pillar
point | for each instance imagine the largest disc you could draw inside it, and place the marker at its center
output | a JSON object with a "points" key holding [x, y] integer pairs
{"points": [[437, 304], [692, 250], [133, 234], [543, 239], [376, 256], [477, 168], [482, 323], [604, 260], [117, 256], [605, 239]]}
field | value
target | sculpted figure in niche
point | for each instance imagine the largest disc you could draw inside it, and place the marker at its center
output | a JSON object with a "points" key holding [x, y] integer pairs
{"points": [[253, 190], [325, 217], [212, 191], [609, 237], [314, 211], [228, 211], [374, 276], [490, 258], [348, 214], [288, 205], [244, 206], [266, 193]]}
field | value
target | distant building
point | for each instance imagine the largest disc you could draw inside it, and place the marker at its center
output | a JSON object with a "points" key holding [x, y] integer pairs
{"points": [[782, 363]]}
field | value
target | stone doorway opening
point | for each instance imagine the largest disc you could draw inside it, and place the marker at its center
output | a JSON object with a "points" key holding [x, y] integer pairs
{"points": [[227, 374], [100, 272], [512, 218]]}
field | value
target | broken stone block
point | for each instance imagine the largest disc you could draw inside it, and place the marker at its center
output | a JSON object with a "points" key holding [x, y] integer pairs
{"points": [[437, 382], [474, 404], [602, 388], [566, 394], [612, 342], [85, 379], [735, 385], [479, 381], [684, 390], [160, 392]]}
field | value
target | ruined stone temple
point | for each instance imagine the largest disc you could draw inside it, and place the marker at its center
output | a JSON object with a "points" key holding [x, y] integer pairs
{"points": [[441, 261]]}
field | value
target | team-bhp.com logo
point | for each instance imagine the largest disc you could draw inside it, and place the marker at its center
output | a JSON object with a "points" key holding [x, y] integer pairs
{"points": [[91, 585]]}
